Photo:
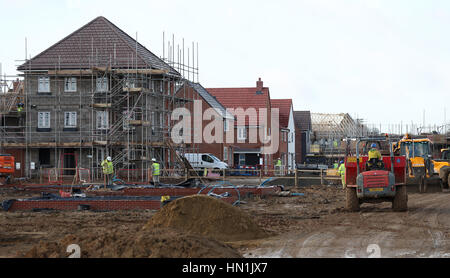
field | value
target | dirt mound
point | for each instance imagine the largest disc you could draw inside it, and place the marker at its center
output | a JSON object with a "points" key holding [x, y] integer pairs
{"points": [[207, 216], [157, 243]]}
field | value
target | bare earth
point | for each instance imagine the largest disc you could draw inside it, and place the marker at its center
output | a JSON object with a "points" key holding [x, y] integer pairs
{"points": [[313, 225]]}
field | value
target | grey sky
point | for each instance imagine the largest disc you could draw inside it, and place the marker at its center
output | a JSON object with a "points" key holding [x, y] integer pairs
{"points": [[383, 61]]}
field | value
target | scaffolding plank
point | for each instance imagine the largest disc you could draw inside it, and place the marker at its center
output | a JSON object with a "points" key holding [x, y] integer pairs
{"points": [[69, 72], [139, 123], [133, 90], [141, 71], [101, 105]]}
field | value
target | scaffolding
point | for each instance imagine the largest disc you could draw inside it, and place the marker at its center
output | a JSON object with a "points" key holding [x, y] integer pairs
{"points": [[122, 112]]}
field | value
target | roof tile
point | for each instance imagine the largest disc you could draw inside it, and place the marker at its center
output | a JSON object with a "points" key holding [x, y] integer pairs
{"points": [[97, 43]]}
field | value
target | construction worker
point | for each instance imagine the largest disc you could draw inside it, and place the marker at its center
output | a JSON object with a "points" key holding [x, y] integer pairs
{"points": [[341, 171], [155, 172], [374, 156], [108, 170], [20, 107], [278, 166], [374, 153]]}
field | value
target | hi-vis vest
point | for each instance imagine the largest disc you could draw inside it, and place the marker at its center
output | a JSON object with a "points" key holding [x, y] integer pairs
{"points": [[108, 167], [374, 153], [278, 162], [341, 169], [155, 168]]}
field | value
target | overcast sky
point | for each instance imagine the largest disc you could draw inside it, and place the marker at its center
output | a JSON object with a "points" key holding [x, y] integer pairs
{"points": [[384, 61]]}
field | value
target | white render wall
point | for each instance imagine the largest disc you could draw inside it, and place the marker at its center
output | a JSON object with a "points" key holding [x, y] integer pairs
{"points": [[291, 142]]}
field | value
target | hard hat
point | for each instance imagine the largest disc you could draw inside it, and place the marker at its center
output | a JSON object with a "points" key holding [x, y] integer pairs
{"points": [[373, 145], [108, 158], [153, 159]]}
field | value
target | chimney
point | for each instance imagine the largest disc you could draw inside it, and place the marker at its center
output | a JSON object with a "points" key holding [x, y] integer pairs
{"points": [[259, 85]]}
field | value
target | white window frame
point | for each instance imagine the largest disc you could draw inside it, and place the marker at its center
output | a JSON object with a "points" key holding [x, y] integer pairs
{"points": [[242, 133], [161, 120], [70, 119], [226, 125], [44, 119], [161, 86], [225, 153], [130, 83], [70, 84], [102, 84], [126, 123], [102, 120], [44, 84]]}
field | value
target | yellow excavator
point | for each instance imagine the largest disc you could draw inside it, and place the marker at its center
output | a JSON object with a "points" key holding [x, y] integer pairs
{"points": [[442, 166], [424, 174]]}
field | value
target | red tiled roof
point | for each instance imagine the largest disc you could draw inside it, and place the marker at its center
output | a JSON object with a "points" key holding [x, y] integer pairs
{"points": [[284, 106], [242, 98]]}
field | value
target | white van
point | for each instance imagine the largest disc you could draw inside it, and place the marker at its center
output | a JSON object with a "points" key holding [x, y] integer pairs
{"points": [[205, 160]]}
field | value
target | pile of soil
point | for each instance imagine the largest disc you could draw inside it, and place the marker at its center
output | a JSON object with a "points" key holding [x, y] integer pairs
{"points": [[157, 243], [207, 216]]}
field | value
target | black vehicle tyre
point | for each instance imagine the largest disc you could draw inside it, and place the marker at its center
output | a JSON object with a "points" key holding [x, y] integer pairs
{"points": [[400, 202], [446, 185], [351, 202]]}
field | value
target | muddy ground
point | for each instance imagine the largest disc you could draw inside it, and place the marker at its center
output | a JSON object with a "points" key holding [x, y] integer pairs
{"points": [[313, 225]]}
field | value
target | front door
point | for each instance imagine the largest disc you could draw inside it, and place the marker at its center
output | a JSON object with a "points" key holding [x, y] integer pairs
{"points": [[69, 162]]}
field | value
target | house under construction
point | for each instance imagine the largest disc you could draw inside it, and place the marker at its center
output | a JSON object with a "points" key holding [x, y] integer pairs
{"points": [[96, 93], [329, 131]]}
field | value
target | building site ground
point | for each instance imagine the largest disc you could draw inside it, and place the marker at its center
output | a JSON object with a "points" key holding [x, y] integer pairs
{"points": [[314, 224]]}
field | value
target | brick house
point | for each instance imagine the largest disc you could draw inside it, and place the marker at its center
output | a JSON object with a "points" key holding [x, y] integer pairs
{"points": [[287, 132], [204, 101], [248, 105], [97, 92]]}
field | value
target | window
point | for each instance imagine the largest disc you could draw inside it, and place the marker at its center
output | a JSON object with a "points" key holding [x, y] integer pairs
{"points": [[225, 153], [43, 119], [130, 83], [44, 84], [153, 122], [70, 119], [225, 125], [102, 84], [242, 159], [284, 136], [207, 158], [102, 120], [242, 134], [126, 120], [70, 84]]}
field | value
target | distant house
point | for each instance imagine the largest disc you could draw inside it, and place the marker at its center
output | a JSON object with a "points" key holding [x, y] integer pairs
{"points": [[302, 121], [246, 101], [222, 149], [287, 132]]}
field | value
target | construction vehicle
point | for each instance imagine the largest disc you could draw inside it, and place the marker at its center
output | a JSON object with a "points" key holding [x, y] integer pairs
{"points": [[375, 181], [6, 167], [442, 166], [422, 171]]}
